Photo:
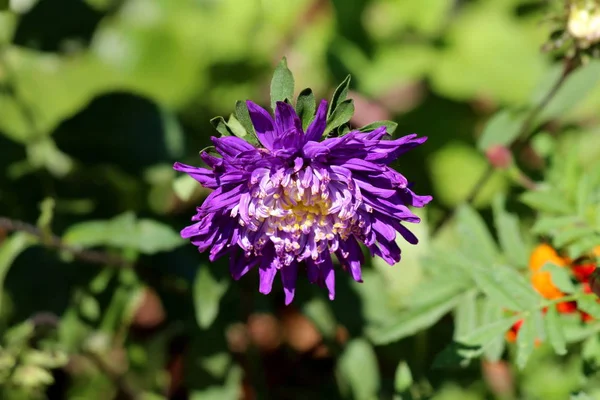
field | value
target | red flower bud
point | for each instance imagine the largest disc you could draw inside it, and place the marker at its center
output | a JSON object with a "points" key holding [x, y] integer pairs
{"points": [[583, 272], [499, 156]]}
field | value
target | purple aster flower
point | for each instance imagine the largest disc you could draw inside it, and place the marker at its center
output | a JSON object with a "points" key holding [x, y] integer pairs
{"points": [[297, 200]]}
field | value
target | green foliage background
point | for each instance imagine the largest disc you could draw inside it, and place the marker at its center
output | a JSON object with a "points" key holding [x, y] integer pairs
{"points": [[100, 298]]}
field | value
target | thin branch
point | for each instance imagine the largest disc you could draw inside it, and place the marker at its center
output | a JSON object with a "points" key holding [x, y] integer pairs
{"points": [[523, 137], [55, 242]]}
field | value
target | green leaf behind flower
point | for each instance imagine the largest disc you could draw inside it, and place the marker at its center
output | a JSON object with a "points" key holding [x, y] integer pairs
{"points": [[282, 84]]}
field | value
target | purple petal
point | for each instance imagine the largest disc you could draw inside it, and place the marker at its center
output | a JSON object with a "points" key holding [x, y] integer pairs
{"points": [[328, 275], [312, 271], [286, 119], [409, 197], [317, 126], [314, 150], [267, 275], [230, 147], [289, 274], [239, 264], [202, 175], [263, 124], [351, 256]]}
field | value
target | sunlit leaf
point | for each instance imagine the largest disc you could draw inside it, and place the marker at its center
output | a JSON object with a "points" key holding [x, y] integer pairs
{"points": [[305, 107], [506, 287], [560, 277], [357, 370], [282, 84], [589, 304], [339, 97], [403, 379], [490, 313], [340, 115], [525, 342], [465, 315], [547, 200], [509, 234], [475, 236], [413, 320], [555, 331], [207, 293], [390, 126], [501, 129], [474, 343]]}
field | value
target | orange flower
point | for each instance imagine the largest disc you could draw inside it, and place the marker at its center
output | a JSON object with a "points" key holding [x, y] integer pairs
{"points": [[543, 254], [542, 280]]}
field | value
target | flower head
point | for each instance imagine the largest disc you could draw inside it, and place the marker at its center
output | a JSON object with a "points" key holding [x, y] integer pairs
{"points": [[297, 200], [584, 21]]}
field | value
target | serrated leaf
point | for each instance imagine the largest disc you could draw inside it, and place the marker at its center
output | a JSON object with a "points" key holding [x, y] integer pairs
{"points": [[236, 128], [282, 84], [340, 115], [509, 233], [339, 96], [554, 330], [465, 315], [475, 237], [560, 277], [549, 224], [221, 126], [440, 287], [413, 320], [490, 313], [10, 249], [506, 287], [525, 342], [589, 304], [243, 116], [241, 125], [474, 343], [403, 379], [572, 234], [207, 292], [358, 371], [306, 107], [583, 246], [390, 126], [549, 201], [572, 91], [501, 129]]}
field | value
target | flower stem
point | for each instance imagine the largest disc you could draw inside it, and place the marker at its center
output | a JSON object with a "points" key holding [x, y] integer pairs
{"points": [[526, 132]]}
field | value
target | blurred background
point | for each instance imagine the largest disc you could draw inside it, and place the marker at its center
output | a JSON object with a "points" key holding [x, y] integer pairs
{"points": [[101, 299]]}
